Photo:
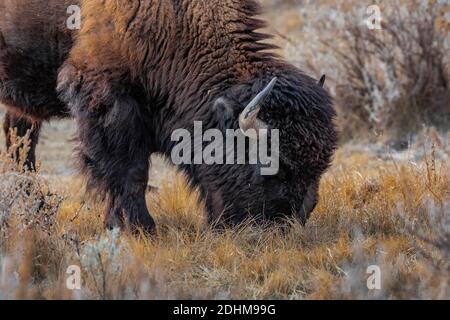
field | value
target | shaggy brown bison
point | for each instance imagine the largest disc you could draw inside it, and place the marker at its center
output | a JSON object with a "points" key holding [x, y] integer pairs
{"points": [[140, 70]]}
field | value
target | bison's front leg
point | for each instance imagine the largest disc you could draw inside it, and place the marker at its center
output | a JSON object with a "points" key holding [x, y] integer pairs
{"points": [[114, 149]]}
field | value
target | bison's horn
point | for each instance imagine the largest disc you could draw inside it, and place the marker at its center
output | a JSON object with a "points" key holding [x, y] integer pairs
{"points": [[249, 117], [322, 80], [2, 41]]}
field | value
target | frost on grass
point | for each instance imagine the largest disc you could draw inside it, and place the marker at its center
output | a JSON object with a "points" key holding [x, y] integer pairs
{"points": [[432, 242], [101, 258], [8, 278]]}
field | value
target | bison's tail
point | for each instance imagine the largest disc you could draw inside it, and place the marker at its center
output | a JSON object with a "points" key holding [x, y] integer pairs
{"points": [[2, 41]]}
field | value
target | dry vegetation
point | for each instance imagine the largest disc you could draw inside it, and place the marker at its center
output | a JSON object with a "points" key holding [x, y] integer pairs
{"points": [[387, 82], [378, 207], [374, 209]]}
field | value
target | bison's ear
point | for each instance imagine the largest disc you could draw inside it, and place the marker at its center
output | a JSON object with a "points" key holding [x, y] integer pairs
{"points": [[248, 120], [223, 108]]}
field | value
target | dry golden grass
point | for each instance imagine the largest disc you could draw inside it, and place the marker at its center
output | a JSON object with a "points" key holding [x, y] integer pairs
{"points": [[373, 210]]}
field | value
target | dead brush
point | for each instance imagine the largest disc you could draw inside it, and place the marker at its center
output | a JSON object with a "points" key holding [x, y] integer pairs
{"points": [[25, 198], [430, 228], [390, 81], [396, 78]]}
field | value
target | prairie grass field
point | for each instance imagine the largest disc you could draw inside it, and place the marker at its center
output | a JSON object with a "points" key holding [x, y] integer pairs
{"points": [[376, 208], [384, 202]]}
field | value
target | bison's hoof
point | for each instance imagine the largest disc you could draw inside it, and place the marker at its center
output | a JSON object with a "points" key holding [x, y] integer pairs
{"points": [[113, 221], [143, 221], [134, 223]]}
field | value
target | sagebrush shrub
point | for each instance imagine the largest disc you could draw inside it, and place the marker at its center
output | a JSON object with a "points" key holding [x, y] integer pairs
{"points": [[393, 80], [25, 198]]}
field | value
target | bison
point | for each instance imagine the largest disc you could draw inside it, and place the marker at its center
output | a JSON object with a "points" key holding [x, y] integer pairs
{"points": [[137, 71], [34, 42]]}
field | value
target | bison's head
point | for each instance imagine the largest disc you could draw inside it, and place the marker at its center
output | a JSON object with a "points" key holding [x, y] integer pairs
{"points": [[307, 141]]}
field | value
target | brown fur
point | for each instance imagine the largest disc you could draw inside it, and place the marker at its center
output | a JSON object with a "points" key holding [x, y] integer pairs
{"points": [[141, 69]]}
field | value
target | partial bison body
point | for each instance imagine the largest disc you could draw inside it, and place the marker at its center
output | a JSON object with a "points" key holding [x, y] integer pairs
{"points": [[34, 42], [140, 70]]}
